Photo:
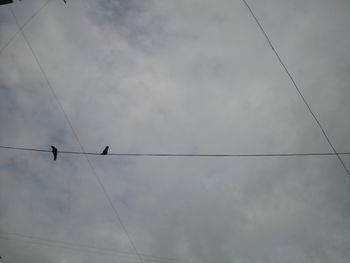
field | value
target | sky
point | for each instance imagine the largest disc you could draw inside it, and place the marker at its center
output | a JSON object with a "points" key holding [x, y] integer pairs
{"points": [[165, 76]]}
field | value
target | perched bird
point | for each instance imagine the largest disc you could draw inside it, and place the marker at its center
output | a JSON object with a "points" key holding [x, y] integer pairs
{"points": [[54, 152], [105, 151]]}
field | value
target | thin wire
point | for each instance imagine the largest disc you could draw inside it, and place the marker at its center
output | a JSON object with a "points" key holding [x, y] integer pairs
{"points": [[114, 209], [179, 154], [80, 144], [81, 247], [297, 88], [25, 23]]}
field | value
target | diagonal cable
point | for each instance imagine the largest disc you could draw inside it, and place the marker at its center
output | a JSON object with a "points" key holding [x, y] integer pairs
{"points": [[77, 138], [297, 88]]}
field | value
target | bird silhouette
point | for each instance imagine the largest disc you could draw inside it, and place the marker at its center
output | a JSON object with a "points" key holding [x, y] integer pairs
{"points": [[105, 151], [54, 152]]}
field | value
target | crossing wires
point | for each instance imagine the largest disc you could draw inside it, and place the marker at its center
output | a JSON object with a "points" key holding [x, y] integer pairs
{"points": [[297, 87], [83, 248], [24, 24]]}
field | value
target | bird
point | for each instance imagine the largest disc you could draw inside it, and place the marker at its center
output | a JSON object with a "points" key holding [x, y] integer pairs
{"points": [[54, 152], [105, 151]]}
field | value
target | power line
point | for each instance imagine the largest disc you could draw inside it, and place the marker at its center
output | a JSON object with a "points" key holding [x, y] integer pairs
{"points": [[25, 23], [179, 154], [81, 247], [77, 138], [297, 88], [109, 199]]}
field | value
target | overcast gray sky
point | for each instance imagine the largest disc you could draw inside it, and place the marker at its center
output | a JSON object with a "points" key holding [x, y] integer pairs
{"points": [[184, 76]]}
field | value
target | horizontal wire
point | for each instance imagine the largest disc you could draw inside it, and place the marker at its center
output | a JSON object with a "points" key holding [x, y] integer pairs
{"points": [[181, 154]]}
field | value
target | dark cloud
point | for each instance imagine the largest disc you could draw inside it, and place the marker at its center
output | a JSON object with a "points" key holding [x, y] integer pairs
{"points": [[139, 22]]}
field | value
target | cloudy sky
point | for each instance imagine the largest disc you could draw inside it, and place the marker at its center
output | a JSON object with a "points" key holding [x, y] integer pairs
{"points": [[184, 76]]}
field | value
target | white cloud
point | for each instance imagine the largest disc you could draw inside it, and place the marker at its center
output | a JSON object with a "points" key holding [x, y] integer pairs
{"points": [[184, 76]]}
